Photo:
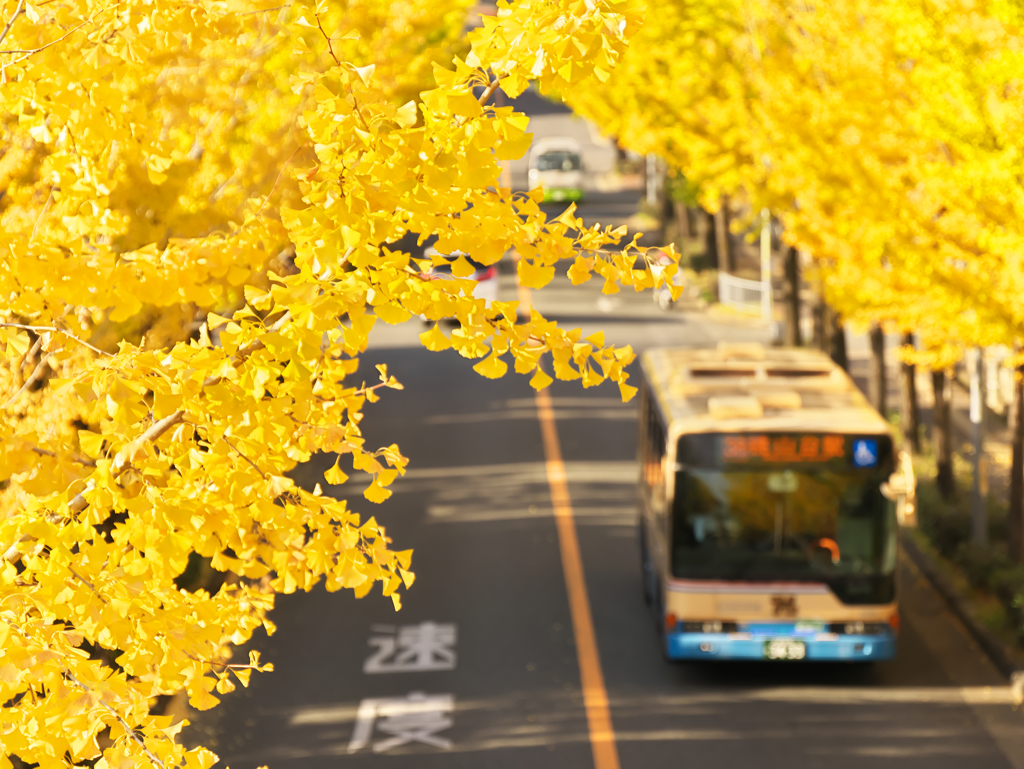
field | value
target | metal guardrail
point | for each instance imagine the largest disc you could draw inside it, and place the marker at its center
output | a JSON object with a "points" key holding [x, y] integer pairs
{"points": [[744, 295]]}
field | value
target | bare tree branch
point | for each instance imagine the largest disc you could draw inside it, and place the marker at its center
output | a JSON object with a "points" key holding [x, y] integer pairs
{"points": [[33, 377], [34, 51], [78, 503], [124, 724], [10, 22], [56, 330]]}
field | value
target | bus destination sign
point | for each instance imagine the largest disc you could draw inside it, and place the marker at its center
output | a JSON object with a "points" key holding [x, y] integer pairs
{"points": [[796, 449]]}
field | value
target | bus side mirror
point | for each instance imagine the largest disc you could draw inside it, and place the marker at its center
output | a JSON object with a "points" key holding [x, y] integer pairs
{"points": [[902, 489]]}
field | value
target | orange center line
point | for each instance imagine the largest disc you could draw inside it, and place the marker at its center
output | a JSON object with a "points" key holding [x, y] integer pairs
{"points": [[595, 696]]}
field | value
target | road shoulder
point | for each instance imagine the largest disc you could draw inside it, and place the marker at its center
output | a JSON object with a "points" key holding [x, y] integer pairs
{"points": [[983, 687]]}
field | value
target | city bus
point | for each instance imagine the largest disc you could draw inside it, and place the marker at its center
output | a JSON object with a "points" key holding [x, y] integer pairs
{"points": [[555, 165], [768, 516]]}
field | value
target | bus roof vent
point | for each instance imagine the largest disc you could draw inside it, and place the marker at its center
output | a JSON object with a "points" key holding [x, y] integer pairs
{"points": [[698, 373], [748, 350], [781, 399], [734, 407], [798, 373]]}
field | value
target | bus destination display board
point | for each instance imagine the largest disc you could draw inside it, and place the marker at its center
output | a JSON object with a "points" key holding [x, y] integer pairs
{"points": [[773, 449], [862, 452]]}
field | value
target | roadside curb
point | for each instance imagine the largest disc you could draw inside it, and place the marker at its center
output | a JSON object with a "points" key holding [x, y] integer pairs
{"points": [[994, 647]]}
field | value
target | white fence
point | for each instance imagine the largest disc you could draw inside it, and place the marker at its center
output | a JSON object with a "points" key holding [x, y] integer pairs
{"points": [[744, 295]]}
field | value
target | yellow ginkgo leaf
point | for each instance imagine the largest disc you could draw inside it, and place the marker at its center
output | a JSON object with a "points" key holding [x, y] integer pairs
{"points": [[581, 271], [461, 268], [434, 340], [335, 476], [540, 380], [91, 443], [533, 275], [376, 493], [492, 367]]}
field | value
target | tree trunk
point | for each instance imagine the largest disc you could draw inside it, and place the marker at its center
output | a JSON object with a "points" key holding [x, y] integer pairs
{"points": [[909, 418], [837, 338], [942, 436], [710, 243], [819, 331], [1015, 514], [682, 217], [876, 372], [791, 270], [723, 246]]}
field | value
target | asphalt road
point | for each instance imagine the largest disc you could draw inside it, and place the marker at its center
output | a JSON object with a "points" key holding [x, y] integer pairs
{"points": [[500, 687]]}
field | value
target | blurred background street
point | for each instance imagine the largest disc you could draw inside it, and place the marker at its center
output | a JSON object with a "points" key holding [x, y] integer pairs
{"points": [[499, 685], [476, 507]]}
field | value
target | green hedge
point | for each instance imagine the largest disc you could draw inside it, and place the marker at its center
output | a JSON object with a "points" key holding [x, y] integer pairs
{"points": [[947, 524]]}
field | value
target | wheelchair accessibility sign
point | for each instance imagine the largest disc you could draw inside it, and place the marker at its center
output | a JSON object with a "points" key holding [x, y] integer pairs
{"points": [[865, 452]]}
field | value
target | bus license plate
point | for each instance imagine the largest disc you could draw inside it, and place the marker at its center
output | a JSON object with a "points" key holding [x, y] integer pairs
{"points": [[784, 649]]}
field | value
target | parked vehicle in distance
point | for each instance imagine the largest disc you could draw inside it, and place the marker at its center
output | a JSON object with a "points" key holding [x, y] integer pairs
{"points": [[662, 296], [767, 524], [486, 277], [555, 164]]}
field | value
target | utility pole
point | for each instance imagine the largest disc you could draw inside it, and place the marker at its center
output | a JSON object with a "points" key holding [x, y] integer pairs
{"points": [[979, 522], [766, 265], [652, 180]]}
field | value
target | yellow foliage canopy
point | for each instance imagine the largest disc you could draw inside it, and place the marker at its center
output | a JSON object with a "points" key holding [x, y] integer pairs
{"points": [[886, 135], [198, 202]]}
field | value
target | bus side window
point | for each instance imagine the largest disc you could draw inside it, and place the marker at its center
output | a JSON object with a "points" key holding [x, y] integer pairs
{"points": [[642, 431], [652, 452], [655, 460]]}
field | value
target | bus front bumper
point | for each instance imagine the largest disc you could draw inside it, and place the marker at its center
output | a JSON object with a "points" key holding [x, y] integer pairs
{"points": [[825, 647], [562, 194]]}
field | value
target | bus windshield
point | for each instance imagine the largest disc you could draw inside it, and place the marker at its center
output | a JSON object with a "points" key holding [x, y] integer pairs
{"points": [[558, 160], [761, 519]]}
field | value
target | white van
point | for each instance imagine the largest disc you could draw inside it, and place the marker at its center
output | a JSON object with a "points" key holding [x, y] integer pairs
{"points": [[555, 165]]}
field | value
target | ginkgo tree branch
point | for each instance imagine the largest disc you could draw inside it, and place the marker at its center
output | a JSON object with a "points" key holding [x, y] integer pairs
{"points": [[74, 457], [147, 526], [56, 330], [34, 51], [14, 17], [238, 451], [125, 456], [128, 730], [88, 584], [489, 91], [30, 354], [31, 380], [327, 37], [74, 679]]}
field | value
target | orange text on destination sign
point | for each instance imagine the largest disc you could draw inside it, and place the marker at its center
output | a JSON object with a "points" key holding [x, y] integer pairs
{"points": [[782, 448]]}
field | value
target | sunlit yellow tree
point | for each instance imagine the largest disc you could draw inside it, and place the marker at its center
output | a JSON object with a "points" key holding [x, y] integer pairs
{"points": [[154, 158], [885, 135]]}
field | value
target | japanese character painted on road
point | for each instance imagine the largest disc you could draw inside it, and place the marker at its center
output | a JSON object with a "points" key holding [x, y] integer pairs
{"points": [[417, 717], [415, 648]]}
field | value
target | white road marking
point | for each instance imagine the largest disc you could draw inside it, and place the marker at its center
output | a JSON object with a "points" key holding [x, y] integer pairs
{"points": [[416, 648], [417, 717]]}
